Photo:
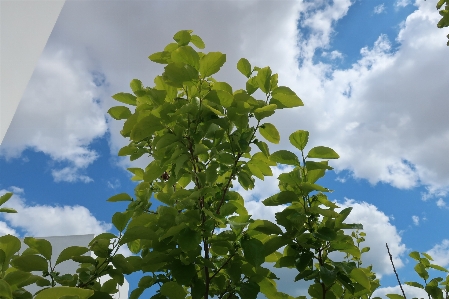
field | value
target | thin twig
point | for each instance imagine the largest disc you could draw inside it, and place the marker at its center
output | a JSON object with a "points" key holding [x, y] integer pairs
{"points": [[394, 269]]}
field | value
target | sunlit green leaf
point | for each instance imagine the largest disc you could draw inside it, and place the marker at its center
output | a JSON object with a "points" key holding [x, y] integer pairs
{"points": [[60, 292], [120, 197], [30, 263], [40, 245], [263, 79], [211, 63], [270, 133], [183, 37], [285, 157], [197, 41], [5, 197], [360, 276], [119, 112], [186, 54], [322, 152], [125, 98], [280, 198], [244, 67], [284, 97]]}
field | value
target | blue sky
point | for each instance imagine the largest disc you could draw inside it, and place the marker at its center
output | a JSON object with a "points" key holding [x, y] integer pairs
{"points": [[371, 73]]}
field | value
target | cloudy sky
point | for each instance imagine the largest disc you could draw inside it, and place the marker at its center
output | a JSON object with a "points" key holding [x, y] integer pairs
{"points": [[372, 74]]}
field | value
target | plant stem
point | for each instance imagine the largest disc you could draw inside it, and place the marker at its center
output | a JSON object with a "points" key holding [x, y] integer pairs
{"points": [[394, 269]]}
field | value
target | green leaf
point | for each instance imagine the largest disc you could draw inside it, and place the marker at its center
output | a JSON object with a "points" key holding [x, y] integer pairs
{"points": [[284, 97], [222, 86], [120, 220], [280, 198], [266, 227], [7, 210], [265, 111], [304, 260], [326, 234], [41, 245], [183, 273], [244, 67], [145, 127], [394, 296], [60, 292], [163, 57], [421, 270], [285, 157], [136, 87], [312, 165], [119, 112], [438, 268], [5, 290], [253, 251], [5, 197], [173, 290], [427, 256], [251, 85], [249, 290], [322, 152], [30, 263], [263, 148], [136, 233], [360, 276], [189, 239], [125, 98], [299, 139], [197, 41], [177, 74], [211, 63], [16, 277], [274, 243], [414, 284], [270, 133], [182, 37], [222, 97], [415, 255], [187, 55], [120, 197], [153, 171], [264, 79]]}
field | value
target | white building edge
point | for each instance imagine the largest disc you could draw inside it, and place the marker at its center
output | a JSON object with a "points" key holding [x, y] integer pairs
{"points": [[59, 243]]}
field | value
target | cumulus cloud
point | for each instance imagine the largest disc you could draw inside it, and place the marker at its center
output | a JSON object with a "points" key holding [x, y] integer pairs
{"points": [[58, 115], [415, 220], [45, 220], [441, 203], [379, 8], [410, 292]]}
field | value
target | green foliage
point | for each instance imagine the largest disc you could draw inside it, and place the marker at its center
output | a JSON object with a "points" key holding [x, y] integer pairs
{"points": [[200, 241]]}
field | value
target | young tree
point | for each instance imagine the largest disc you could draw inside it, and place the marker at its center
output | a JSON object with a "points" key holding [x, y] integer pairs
{"points": [[200, 241]]}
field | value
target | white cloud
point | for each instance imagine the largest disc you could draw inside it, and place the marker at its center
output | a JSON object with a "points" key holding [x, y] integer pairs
{"points": [[379, 8], [6, 230], [69, 174], [379, 231], [58, 115], [410, 292], [415, 220], [403, 3], [332, 55], [441, 203], [440, 253], [45, 220]]}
